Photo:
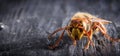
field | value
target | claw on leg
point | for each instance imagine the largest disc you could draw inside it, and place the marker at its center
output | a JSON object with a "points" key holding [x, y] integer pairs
{"points": [[53, 46], [87, 45], [74, 42]]}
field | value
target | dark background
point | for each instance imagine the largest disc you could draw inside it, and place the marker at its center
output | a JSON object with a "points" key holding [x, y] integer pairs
{"points": [[26, 24]]}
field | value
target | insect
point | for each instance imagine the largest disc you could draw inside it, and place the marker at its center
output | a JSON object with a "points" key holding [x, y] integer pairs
{"points": [[83, 24]]}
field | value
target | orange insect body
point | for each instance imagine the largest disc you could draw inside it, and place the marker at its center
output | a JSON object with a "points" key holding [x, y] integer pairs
{"points": [[83, 24]]}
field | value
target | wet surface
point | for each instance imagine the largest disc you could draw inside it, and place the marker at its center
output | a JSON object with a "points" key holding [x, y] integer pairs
{"points": [[26, 24]]}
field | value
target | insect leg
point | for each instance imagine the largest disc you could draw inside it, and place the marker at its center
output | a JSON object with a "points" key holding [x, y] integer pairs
{"points": [[103, 30], [89, 34], [58, 41], [59, 29]]}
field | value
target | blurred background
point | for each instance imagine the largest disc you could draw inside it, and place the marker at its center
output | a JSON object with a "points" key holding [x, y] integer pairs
{"points": [[26, 24]]}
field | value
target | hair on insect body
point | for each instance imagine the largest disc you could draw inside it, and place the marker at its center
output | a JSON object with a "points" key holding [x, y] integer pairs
{"points": [[83, 24]]}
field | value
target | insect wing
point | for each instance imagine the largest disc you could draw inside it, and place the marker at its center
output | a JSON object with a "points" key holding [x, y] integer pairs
{"points": [[101, 20]]}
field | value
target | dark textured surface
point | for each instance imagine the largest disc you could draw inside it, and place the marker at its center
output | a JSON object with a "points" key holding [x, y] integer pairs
{"points": [[27, 23]]}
